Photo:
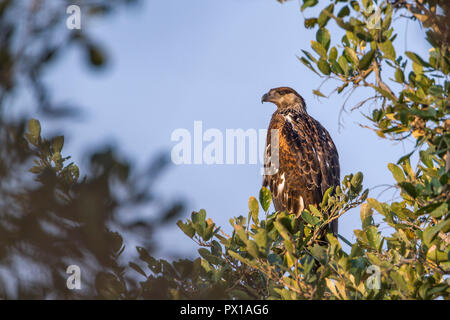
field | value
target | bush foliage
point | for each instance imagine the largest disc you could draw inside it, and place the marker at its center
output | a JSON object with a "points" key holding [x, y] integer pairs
{"points": [[267, 255], [278, 257]]}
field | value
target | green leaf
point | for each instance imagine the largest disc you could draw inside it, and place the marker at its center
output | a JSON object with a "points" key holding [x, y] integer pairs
{"points": [[417, 68], [137, 268], [319, 252], [357, 180], [397, 172], [365, 61], [336, 68], [306, 216], [385, 93], [382, 208], [253, 206], [317, 47], [373, 236], [408, 188], [314, 211], [435, 91], [428, 113], [323, 37], [426, 159], [355, 5], [416, 58], [345, 11], [198, 222], [310, 23], [318, 93], [405, 157], [208, 233], [241, 233], [57, 158], [261, 238], [323, 18], [326, 196], [351, 54], [309, 56], [343, 63], [440, 211], [400, 281], [34, 127], [388, 18], [324, 67], [284, 232], [345, 240], [364, 36], [237, 256], [205, 254], [152, 263], [252, 248], [388, 49], [333, 54], [399, 76], [186, 228], [198, 217], [308, 64], [265, 198], [366, 214], [430, 233], [437, 255], [58, 143], [308, 3]]}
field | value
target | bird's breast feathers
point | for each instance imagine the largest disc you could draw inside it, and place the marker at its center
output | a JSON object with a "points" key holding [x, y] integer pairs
{"points": [[308, 161]]}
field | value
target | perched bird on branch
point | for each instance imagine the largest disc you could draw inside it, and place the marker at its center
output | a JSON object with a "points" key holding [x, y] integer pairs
{"points": [[308, 162]]}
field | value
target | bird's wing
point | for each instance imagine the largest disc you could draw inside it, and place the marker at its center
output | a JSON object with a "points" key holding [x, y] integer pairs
{"points": [[328, 157], [329, 162]]}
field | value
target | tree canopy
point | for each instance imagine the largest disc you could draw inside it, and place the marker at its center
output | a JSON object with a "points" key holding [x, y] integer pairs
{"points": [[66, 214], [277, 257]]}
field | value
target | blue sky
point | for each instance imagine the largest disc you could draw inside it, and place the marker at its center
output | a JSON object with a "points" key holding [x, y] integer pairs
{"points": [[173, 62]]}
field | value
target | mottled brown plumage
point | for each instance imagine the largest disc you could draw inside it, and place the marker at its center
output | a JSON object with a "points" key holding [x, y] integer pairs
{"points": [[308, 159]]}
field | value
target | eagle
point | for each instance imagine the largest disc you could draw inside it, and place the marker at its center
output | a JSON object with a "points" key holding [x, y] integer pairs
{"points": [[308, 161]]}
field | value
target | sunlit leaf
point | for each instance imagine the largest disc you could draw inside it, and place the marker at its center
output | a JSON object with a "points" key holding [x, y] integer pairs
{"points": [[265, 198]]}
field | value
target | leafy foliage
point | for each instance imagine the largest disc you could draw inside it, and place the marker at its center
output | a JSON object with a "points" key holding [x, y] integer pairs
{"points": [[59, 217], [282, 257], [278, 257], [52, 215], [416, 256]]}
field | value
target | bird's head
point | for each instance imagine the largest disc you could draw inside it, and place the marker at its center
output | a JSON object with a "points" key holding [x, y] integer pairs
{"points": [[284, 97]]}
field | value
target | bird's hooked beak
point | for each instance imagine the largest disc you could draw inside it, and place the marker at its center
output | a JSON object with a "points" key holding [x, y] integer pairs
{"points": [[266, 98]]}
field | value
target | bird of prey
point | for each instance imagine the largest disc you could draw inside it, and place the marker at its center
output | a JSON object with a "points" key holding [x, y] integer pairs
{"points": [[308, 162]]}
